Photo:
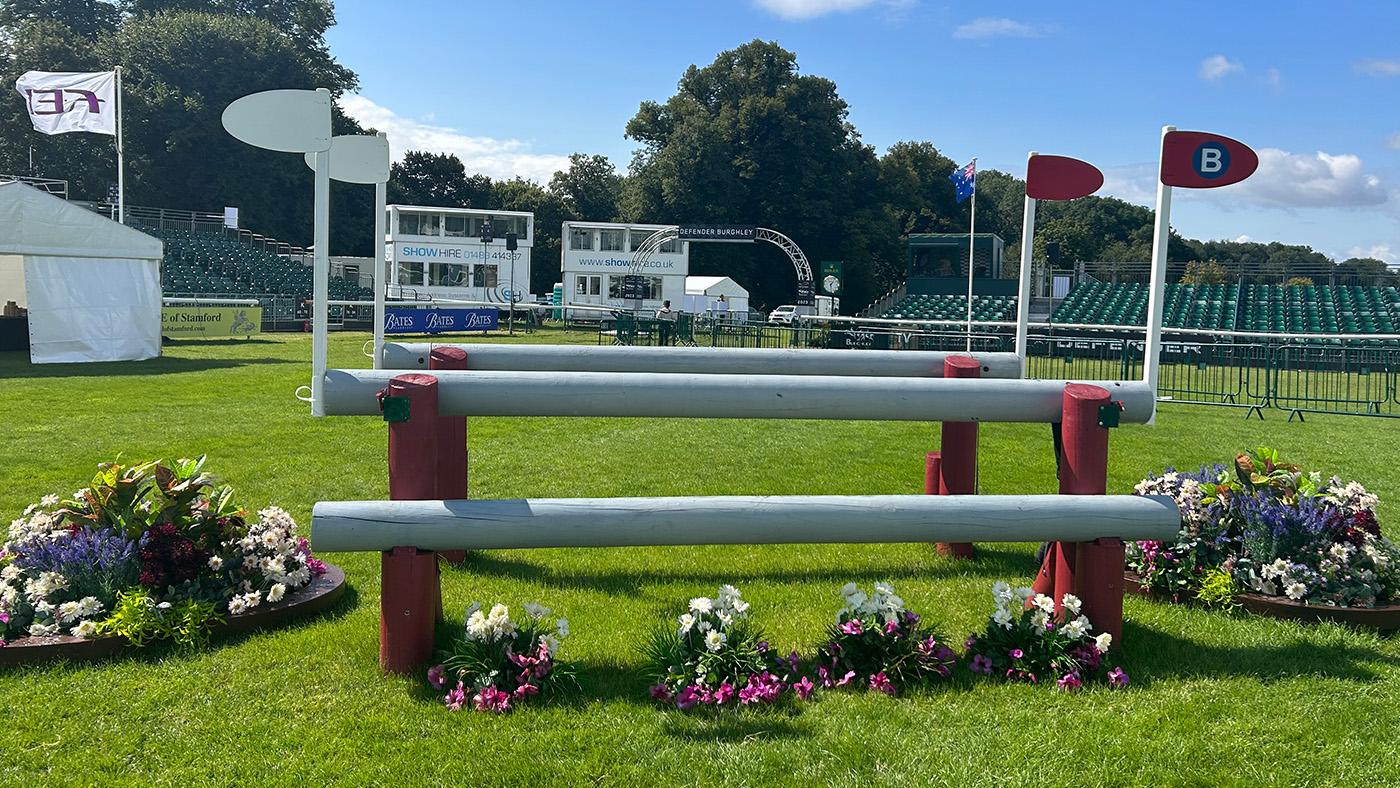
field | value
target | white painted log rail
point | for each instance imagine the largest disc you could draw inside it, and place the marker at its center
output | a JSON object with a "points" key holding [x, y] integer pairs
{"points": [[349, 392], [795, 519], [700, 360]]}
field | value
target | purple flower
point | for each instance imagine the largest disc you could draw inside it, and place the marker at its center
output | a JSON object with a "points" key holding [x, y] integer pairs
{"points": [[688, 697], [850, 674], [660, 692], [1117, 678], [804, 688], [1017, 653], [851, 627], [456, 697], [981, 664], [724, 693], [792, 661], [493, 700], [761, 647], [1069, 682], [435, 676], [881, 682], [911, 618], [970, 642]]}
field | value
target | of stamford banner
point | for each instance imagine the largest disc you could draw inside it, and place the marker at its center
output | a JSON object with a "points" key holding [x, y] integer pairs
{"points": [[202, 322], [436, 321]]}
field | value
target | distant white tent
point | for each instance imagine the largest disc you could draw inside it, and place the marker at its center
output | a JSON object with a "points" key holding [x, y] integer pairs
{"points": [[91, 285], [703, 292]]}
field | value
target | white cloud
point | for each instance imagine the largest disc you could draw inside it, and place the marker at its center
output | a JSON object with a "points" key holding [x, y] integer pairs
{"points": [[1274, 79], [500, 159], [1320, 180], [1378, 68], [990, 27], [1393, 141], [1380, 252], [1216, 67], [1244, 239], [1134, 183], [810, 9]]}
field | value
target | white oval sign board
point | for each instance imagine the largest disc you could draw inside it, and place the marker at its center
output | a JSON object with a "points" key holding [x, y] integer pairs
{"points": [[357, 158], [292, 121]]}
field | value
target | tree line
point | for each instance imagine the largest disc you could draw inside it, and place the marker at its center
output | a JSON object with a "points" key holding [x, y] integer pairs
{"points": [[747, 139]]}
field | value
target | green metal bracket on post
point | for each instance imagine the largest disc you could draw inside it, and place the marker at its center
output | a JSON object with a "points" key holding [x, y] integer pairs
{"points": [[1109, 414], [395, 408]]}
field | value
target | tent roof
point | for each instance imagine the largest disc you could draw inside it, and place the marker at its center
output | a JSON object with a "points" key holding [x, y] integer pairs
{"points": [[34, 222], [714, 285]]}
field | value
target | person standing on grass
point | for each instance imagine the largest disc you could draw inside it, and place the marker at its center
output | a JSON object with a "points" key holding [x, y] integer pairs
{"points": [[664, 316]]}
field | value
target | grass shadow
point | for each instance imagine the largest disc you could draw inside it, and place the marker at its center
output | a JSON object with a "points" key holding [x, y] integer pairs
{"points": [[1170, 657], [164, 365], [991, 562]]}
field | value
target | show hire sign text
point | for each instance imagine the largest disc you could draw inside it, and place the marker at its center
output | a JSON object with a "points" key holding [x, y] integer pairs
{"points": [[437, 321], [209, 322]]}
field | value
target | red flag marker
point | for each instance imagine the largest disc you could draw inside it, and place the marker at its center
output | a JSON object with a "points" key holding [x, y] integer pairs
{"points": [[1061, 178]]}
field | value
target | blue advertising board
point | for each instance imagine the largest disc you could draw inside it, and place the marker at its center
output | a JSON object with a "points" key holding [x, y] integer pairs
{"points": [[437, 321]]}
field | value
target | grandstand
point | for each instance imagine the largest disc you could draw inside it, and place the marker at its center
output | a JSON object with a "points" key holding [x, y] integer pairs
{"points": [[926, 306], [1264, 308], [201, 264]]}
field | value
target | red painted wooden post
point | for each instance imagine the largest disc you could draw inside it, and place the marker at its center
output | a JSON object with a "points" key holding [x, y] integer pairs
{"points": [[452, 445], [1098, 566], [410, 598], [958, 474], [933, 462]]}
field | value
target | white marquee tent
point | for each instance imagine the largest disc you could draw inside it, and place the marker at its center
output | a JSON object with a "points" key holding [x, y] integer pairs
{"points": [[703, 292], [91, 285]]}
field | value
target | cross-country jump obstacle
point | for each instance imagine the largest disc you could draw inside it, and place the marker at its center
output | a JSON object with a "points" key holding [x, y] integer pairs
{"points": [[428, 512]]}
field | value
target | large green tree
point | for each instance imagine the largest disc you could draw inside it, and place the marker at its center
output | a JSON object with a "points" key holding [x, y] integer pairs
{"points": [[750, 140], [591, 188], [440, 179]]}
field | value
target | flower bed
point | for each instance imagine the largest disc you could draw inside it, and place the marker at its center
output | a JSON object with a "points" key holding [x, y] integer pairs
{"points": [[1271, 537], [151, 551]]}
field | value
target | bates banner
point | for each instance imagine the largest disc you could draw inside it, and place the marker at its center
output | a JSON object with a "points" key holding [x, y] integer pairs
{"points": [[436, 321]]}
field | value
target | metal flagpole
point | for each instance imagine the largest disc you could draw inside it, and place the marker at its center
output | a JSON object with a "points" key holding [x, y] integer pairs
{"points": [[971, 253], [1023, 300], [121, 162], [1161, 239]]}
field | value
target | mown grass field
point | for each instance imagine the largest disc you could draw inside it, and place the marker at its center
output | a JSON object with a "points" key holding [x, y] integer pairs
{"points": [[1215, 700]]}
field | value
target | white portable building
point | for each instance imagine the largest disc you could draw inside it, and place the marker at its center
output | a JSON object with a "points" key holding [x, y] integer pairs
{"points": [[703, 292], [91, 285]]}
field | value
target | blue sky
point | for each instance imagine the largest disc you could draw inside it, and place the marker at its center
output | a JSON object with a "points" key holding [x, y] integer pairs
{"points": [[514, 88]]}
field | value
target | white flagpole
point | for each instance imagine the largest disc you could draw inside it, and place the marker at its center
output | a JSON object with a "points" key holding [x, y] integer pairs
{"points": [[971, 253], [121, 162], [1161, 237], [1023, 301]]}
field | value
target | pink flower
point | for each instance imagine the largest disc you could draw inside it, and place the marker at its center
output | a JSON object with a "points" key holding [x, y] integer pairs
{"points": [[1117, 678], [724, 693], [881, 682], [493, 700], [804, 688], [456, 697], [661, 692], [435, 676], [1069, 682], [851, 627], [970, 642], [1017, 653], [824, 675], [890, 627], [524, 690], [850, 674], [688, 697]]}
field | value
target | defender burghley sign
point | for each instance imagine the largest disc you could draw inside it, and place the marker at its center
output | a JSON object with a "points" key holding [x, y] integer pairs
{"points": [[178, 322], [738, 233]]}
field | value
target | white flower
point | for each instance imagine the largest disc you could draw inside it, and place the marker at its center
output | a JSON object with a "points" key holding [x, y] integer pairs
{"points": [[551, 643], [1077, 628], [725, 620], [1002, 617], [536, 611], [562, 627], [728, 592], [38, 630], [1268, 588], [250, 562], [702, 604], [1044, 602], [856, 600], [715, 641], [849, 589], [1279, 568], [236, 605], [48, 500], [478, 628], [884, 588], [1040, 618], [1102, 642], [276, 593], [85, 629], [66, 611], [1023, 593], [1296, 591], [1001, 592], [1340, 551], [740, 608], [216, 563], [1071, 603], [252, 598], [686, 621]]}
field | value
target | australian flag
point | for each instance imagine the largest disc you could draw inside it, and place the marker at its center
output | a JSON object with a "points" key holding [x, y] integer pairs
{"points": [[965, 180]]}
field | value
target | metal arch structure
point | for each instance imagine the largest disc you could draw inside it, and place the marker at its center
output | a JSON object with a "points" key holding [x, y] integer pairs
{"points": [[794, 252]]}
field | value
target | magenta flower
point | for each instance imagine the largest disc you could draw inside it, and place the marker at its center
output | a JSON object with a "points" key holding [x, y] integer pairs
{"points": [[1017, 653], [851, 627], [761, 647], [982, 664], [522, 691], [724, 693], [850, 674], [493, 700], [890, 627], [1069, 682], [688, 697], [970, 642], [881, 682], [1117, 678], [804, 688], [435, 676], [824, 675], [456, 697], [660, 692], [792, 661]]}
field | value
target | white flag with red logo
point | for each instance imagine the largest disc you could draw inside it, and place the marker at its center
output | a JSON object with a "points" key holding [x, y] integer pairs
{"points": [[64, 101]]}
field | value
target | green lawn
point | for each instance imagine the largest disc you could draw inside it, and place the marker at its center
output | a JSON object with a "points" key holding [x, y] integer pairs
{"points": [[1215, 700]]}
